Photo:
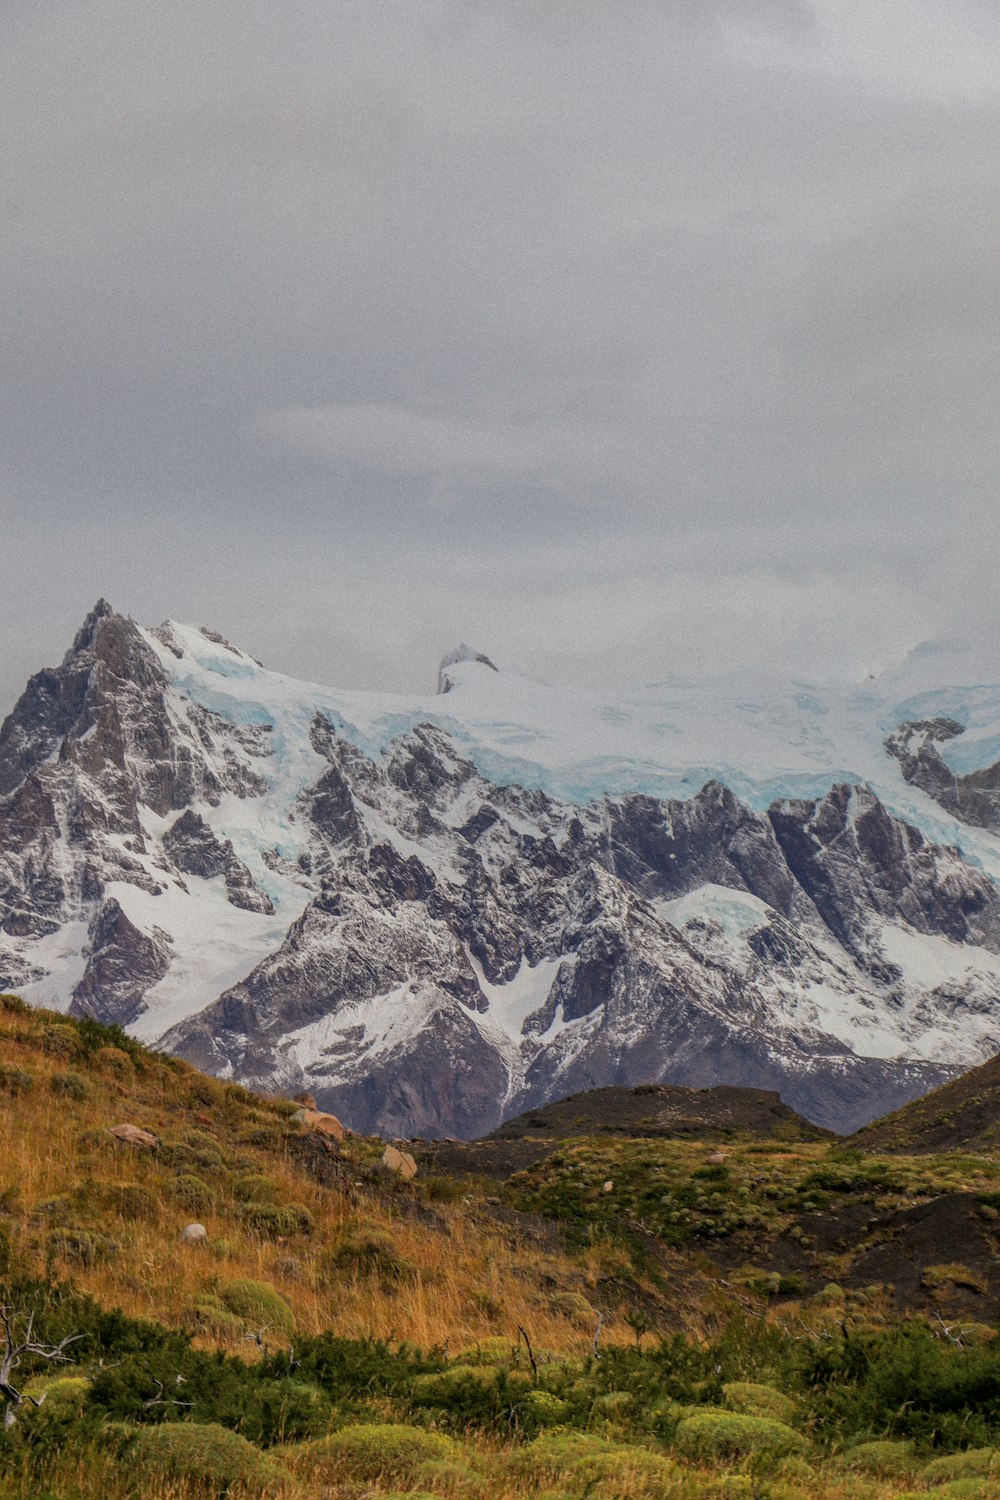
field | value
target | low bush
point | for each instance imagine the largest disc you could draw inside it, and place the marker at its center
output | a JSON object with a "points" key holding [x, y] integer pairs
{"points": [[727, 1436], [883, 1458], [277, 1221], [206, 1454], [69, 1086], [256, 1188], [132, 1202], [193, 1192], [15, 1081], [209, 1314], [755, 1400], [369, 1252], [258, 1304], [974, 1463], [375, 1451]]}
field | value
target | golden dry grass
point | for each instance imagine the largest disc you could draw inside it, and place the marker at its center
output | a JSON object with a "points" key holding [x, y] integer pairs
{"points": [[462, 1280]]}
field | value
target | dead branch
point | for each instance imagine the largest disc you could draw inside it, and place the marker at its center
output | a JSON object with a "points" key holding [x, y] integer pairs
{"points": [[531, 1357], [15, 1350]]}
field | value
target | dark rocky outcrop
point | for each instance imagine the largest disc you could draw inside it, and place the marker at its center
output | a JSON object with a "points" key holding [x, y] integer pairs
{"points": [[973, 797], [123, 964], [195, 850]]}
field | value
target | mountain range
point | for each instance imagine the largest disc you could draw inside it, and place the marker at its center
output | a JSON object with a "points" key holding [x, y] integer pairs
{"points": [[435, 912]]}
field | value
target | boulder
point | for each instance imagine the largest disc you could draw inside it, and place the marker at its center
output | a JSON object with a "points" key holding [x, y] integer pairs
{"points": [[315, 1119], [307, 1099], [716, 1159], [193, 1234], [133, 1136], [400, 1162]]}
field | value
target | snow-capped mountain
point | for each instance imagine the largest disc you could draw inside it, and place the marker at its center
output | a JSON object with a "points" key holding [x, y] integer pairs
{"points": [[436, 911]]}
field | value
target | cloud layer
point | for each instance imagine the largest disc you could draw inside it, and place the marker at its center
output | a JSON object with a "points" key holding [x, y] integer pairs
{"points": [[625, 337]]}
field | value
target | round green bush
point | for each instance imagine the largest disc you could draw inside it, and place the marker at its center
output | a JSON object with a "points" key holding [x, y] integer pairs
{"points": [[575, 1307], [212, 1316], [541, 1409], [132, 1202], [193, 1192], [69, 1086], [207, 1454], [627, 1470], [369, 1252], [374, 1451], [64, 1396], [716, 1436], [755, 1400], [256, 1188], [277, 1221], [444, 1388], [551, 1456], [491, 1351], [259, 1304], [974, 1463], [969, 1488], [884, 1458], [452, 1477]]}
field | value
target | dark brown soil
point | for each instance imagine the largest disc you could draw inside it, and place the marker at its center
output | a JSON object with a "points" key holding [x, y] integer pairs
{"points": [[949, 1231]]}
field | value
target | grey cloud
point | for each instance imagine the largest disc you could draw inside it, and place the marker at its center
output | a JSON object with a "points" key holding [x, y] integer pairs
{"points": [[495, 309]]}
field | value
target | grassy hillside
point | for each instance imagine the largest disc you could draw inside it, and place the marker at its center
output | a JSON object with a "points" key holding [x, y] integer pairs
{"points": [[740, 1307], [961, 1115]]}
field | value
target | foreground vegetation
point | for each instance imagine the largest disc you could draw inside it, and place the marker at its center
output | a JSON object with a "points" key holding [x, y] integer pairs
{"points": [[627, 1318]]}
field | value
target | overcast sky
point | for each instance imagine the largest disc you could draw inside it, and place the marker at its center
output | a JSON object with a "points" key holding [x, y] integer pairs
{"points": [[620, 337]]}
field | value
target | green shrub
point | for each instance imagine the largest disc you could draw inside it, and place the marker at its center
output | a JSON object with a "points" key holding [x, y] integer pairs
{"points": [[491, 1351], [976, 1463], [15, 1081], [277, 1221], [575, 1307], [724, 1436], [256, 1188], [451, 1477], [258, 1304], [65, 1396], [626, 1470], [209, 1313], [116, 1062], [131, 1202], [69, 1086], [193, 1192], [883, 1459], [204, 1453], [376, 1451], [940, 1277], [82, 1247], [537, 1408], [484, 1396], [551, 1456], [758, 1401], [60, 1040], [370, 1252]]}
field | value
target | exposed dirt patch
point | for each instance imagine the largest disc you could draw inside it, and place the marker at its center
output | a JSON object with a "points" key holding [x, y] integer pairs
{"points": [[917, 1244]]}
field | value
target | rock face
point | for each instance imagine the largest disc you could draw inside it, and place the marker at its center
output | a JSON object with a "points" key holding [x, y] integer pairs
{"points": [[231, 865], [973, 797]]}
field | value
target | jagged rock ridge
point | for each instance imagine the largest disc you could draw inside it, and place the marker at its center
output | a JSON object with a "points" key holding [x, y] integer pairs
{"points": [[222, 859]]}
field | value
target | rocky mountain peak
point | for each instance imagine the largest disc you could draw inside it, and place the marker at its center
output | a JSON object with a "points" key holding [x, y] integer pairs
{"points": [[376, 903]]}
